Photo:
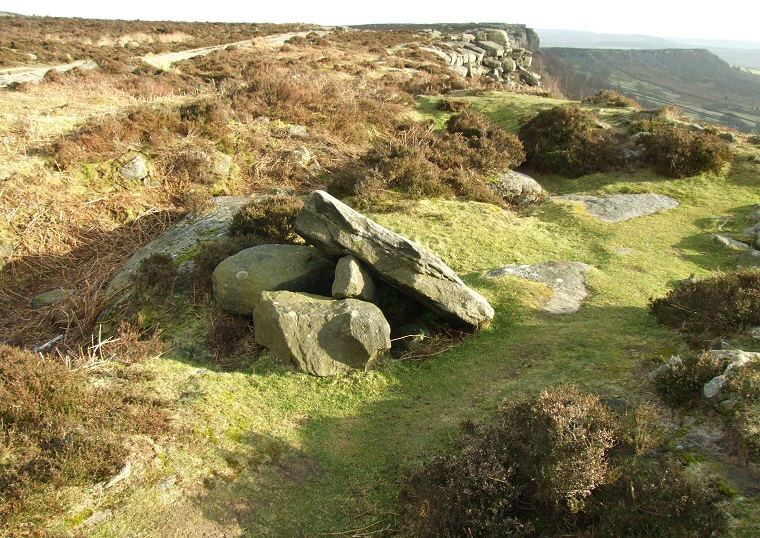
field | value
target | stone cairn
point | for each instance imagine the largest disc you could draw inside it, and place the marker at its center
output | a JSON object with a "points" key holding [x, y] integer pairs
{"points": [[313, 305], [487, 52]]}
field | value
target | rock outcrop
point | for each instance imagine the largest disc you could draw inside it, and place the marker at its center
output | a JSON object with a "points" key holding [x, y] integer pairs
{"points": [[566, 280], [240, 279], [320, 335], [179, 241], [337, 230], [491, 52]]}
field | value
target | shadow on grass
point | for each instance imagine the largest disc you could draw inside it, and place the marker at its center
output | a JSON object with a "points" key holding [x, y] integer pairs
{"points": [[344, 472]]}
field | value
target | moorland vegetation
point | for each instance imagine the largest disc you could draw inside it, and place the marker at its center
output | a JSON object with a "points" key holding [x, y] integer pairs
{"points": [[172, 419]]}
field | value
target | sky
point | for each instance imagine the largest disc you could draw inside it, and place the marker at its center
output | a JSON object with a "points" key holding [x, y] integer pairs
{"points": [[732, 19]]}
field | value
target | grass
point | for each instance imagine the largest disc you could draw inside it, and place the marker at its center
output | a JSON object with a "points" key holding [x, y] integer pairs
{"points": [[257, 449], [314, 476]]}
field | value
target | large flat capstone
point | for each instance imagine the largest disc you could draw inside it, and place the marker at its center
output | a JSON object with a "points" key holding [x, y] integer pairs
{"points": [[337, 230], [320, 335]]}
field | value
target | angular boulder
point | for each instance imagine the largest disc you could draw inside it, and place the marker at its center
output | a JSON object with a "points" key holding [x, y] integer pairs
{"points": [[320, 335], [239, 280], [353, 281], [337, 230], [516, 188]]}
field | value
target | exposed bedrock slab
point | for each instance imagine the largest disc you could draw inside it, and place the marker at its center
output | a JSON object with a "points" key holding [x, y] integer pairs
{"points": [[621, 207], [239, 280], [320, 335], [567, 280], [337, 230], [180, 240]]}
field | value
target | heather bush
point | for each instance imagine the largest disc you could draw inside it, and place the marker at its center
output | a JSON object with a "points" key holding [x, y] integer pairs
{"points": [[567, 140], [613, 99], [677, 151], [58, 430], [270, 218], [712, 308], [681, 380], [558, 464]]}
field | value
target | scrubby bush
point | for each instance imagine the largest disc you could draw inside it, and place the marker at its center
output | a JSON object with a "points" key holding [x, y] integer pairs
{"points": [[682, 379], [555, 465], [613, 99], [450, 105], [712, 308], [58, 431], [568, 140], [155, 274], [271, 218], [419, 162], [677, 151]]}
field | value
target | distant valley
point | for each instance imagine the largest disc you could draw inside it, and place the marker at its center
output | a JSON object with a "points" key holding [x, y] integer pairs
{"points": [[705, 86]]}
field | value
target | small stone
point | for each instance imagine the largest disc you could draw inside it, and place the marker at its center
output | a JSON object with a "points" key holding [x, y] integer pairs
{"points": [[408, 337], [50, 297], [300, 155], [728, 136], [625, 251], [727, 405], [754, 217], [125, 473], [298, 131], [6, 249], [687, 421], [136, 169], [353, 280], [167, 482], [97, 518], [729, 242], [713, 388], [749, 260], [755, 332], [516, 188]]}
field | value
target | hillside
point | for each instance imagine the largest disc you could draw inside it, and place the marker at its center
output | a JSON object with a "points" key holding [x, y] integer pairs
{"points": [[705, 86], [736, 53], [156, 412]]}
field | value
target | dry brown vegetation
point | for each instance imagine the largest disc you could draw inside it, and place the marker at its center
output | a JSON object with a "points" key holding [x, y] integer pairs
{"points": [[48, 40], [74, 220]]}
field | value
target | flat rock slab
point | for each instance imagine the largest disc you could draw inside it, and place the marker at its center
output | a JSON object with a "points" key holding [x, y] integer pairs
{"points": [[621, 207], [337, 230], [180, 240], [567, 280]]}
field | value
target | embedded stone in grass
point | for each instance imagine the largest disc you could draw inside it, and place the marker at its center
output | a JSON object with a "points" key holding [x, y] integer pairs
{"points": [[181, 240], [50, 297], [749, 260], [320, 335], [337, 230], [239, 280], [729, 242], [566, 279], [622, 207], [136, 169]]}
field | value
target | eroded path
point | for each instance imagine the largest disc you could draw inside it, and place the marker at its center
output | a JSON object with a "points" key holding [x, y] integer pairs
{"points": [[161, 61]]}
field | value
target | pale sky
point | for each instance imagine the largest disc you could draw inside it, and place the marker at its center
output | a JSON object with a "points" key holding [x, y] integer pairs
{"points": [[733, 19]]}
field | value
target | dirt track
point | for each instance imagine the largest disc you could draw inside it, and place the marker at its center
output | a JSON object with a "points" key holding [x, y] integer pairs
{"points": [[161, 61]]}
